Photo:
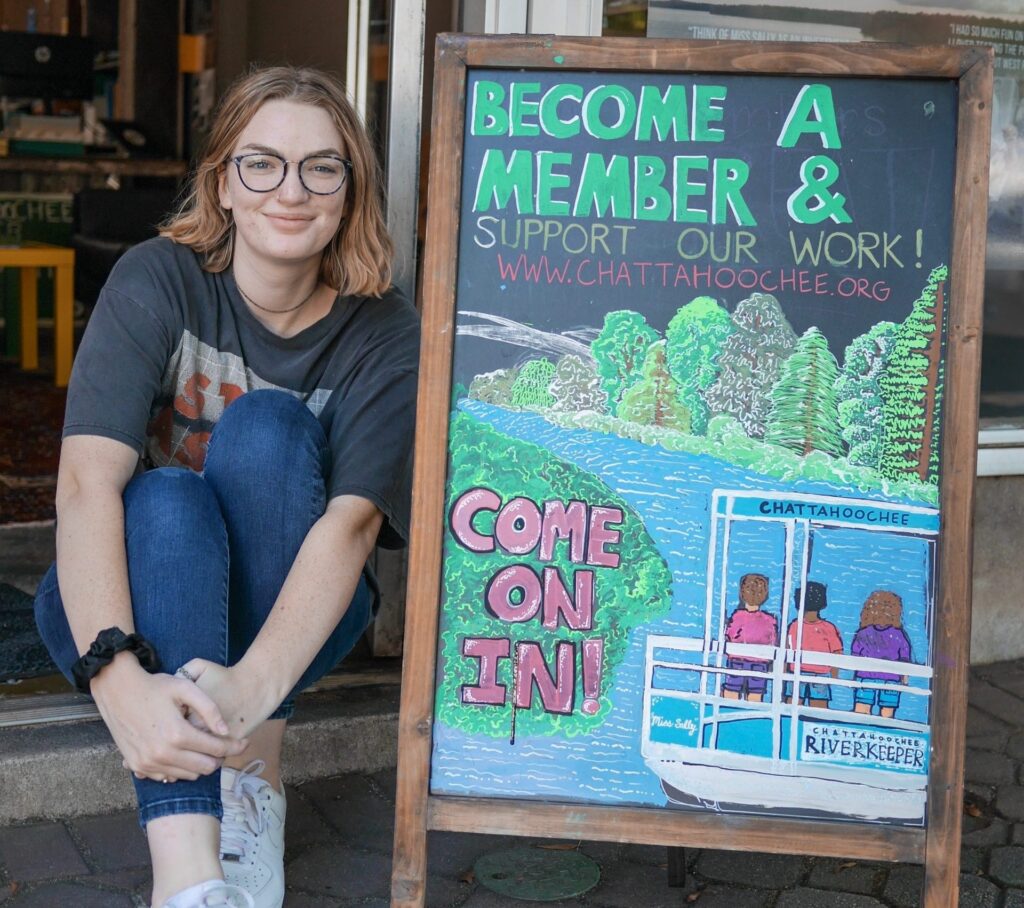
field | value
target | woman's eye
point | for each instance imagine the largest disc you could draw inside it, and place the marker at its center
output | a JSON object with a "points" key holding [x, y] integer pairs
{"points": [[326, 169], [260, 164]]}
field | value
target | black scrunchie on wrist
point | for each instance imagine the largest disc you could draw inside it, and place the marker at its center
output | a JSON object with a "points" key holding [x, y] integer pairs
{"points": [[109, 643]]}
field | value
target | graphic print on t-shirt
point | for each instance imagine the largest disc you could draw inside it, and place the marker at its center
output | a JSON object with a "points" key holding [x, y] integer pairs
{"points": [[198, 385]]}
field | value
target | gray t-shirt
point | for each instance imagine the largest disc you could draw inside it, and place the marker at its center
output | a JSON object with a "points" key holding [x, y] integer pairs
{"points": [[169, 346]]}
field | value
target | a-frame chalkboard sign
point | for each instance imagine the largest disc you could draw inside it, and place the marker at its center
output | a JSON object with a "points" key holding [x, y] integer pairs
{"points": [[691, 554]]}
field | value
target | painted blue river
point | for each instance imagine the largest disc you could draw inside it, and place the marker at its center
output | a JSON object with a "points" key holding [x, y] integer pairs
{"points": [[671, 491]]}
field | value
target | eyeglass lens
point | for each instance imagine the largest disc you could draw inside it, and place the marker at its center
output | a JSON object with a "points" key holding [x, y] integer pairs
{"points": [[263, 172]]}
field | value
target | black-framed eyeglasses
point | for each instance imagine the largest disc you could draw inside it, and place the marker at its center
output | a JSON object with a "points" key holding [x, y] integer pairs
{"points": [[319, 174]]}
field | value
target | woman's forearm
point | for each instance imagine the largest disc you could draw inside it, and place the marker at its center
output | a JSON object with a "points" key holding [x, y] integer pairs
{"points": [[91, 564], [314, 598]]}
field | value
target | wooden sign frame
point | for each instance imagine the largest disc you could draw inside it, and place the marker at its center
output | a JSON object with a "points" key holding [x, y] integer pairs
{"points": [[937, 845]]}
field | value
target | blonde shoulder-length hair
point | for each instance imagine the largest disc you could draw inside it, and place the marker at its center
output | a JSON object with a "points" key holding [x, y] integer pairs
{"points": [[357, 261]]}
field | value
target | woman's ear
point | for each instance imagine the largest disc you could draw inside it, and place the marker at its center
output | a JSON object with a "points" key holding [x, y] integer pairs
{"points": [[222, 187]]}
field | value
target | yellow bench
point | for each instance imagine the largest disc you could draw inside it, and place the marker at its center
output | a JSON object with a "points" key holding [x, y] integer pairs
{"points": [[30, 257]]}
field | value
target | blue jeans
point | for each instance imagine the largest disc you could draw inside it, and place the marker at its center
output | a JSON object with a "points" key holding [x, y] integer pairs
{"points": [[809, 690], [887, 699], [208, 555]]}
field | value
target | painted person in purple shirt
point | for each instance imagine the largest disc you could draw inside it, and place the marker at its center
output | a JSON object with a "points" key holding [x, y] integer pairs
{"points": [[881, 636], [748, 624]]}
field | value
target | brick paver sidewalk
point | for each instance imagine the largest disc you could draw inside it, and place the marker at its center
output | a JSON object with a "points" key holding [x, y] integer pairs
{"points": [[340, 830]]}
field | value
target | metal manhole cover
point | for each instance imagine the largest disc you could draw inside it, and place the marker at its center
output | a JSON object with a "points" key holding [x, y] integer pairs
{"points": [[536, 874]]}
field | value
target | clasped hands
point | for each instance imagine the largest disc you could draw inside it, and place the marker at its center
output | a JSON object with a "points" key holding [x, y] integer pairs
{"points": [[175, 727]]}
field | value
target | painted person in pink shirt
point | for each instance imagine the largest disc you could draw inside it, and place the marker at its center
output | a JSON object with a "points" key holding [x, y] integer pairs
{"points": [[748, 624], [817, 636]]}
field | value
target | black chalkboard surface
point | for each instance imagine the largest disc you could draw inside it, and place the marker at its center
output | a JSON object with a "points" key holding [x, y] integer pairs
{"points": [[692, 508], [836, 217]]}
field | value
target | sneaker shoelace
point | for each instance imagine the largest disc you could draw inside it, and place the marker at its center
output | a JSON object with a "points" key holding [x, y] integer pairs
{"points": [[243, 820]]}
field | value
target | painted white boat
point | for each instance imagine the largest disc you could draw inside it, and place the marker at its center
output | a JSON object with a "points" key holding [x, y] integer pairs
{"points": [[767, 755]]}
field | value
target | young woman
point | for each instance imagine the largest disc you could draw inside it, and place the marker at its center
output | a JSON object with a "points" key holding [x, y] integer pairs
{"points": [[237, 439]]}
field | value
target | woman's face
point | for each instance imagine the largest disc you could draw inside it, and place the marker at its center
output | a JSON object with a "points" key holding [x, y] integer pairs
{"points": [[288, 224]]}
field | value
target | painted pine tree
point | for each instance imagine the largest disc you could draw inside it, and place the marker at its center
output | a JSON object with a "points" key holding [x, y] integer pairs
{"points": [[860, 396], [576, 386], [695, 339], [936, 448], [531, 385], [749, 363], [804, 416], [619, 352], [654, 399], [910, 385], [940, 386]]}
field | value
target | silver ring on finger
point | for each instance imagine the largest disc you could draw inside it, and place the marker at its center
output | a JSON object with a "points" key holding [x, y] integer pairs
{"points": [[186, 674], [165, 780]]}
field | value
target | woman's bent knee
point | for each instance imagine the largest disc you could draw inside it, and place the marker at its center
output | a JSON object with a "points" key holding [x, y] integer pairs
{"points": [[165, 489], [52, 623], [173, 526], [264, 433], [170, 503]]}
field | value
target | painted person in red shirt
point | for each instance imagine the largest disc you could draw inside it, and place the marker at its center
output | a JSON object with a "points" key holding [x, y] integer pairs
{"points": [[749, 624], [818, 636]]}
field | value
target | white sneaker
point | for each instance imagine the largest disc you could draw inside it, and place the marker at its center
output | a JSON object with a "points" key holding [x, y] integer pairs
{"points": [[209, 894], [252, 834]]}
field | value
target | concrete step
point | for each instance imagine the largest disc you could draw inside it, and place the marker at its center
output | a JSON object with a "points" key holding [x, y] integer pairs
{"points": [[68, 769]]}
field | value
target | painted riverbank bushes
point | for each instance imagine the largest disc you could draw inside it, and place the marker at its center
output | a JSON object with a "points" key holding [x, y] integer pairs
{"points": [[770, 394]]}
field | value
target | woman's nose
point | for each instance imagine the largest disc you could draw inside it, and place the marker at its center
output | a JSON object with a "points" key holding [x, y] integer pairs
{"points": [[291, 187]]}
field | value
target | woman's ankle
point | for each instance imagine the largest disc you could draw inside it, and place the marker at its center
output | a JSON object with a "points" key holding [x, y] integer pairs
{"points": [[264, 744], [185, 850]]}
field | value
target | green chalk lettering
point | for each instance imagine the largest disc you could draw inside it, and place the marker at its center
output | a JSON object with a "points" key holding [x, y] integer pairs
{"points": [[520, 108], [652, 201], [548, 181], [730, 175], [489, 117], [813, 111], [603, 185], [706, 112], [625, 103], [658, 113], [500, 180], [812, 202], [550, 121], [682, 165]]}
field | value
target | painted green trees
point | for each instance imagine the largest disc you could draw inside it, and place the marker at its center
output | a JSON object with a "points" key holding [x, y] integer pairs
{"points": [[493, 387], [530, 388], [654, 399], [619, 351], [749, 363], [910, 386], [695, 337], [879, 412], [860, 394], [576, 386], [804, 415]]}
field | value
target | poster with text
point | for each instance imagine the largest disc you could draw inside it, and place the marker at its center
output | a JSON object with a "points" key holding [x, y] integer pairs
{"points": [[691, 509], [967, 23]]}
